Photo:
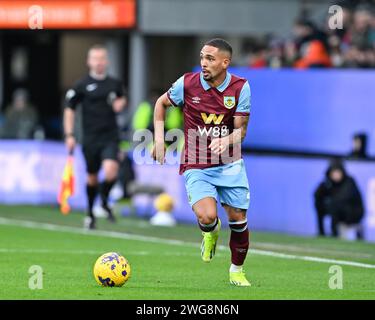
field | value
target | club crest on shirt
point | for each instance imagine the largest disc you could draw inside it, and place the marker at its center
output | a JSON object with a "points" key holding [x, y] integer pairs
{"points": [[229, 102]]}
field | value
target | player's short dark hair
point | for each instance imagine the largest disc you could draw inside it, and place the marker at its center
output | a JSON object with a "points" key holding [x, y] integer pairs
{"points": [[221, 44]]}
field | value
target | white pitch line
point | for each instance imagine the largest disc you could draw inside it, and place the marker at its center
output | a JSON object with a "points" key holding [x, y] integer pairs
{"points": [[313, 259], [80, 252], [110, 234], [293, 248], [120, 235], [92, 252]]}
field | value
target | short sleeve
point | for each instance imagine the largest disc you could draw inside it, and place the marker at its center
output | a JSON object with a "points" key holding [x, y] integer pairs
{"points": [[176, 93], [244, 101], [73, 97]]}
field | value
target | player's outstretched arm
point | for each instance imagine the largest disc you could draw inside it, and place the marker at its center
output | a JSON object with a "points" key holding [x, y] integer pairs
{"points": [[219, 145], [158, 150]]}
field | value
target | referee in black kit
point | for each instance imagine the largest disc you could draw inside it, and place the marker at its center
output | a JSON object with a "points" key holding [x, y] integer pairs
{"points": [[101, 97]]}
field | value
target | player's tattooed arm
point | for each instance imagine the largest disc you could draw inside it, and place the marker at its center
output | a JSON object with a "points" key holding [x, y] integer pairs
{"points": [[240, 129], [219, 145], [158, 150]]}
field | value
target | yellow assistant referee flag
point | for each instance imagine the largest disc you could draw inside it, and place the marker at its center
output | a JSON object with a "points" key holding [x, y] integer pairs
{"points": [[66, 186]]}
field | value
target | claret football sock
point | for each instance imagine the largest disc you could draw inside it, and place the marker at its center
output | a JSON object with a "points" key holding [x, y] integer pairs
{"points": [[239, 244], [239, 241], [209, 227]]}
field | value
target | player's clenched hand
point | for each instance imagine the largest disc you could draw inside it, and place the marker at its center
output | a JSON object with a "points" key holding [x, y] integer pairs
{"points": [[219, 145], [70, 143], [158, 152]]}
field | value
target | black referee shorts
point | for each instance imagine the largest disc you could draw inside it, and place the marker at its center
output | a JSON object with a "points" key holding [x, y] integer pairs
{"points": [[95, 153]]}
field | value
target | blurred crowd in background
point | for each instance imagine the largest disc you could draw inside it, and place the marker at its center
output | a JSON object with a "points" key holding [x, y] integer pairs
{"points": [[313, 44], [21, 118]]}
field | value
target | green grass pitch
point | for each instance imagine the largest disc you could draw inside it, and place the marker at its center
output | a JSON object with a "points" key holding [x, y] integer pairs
{"points": [[279, 266]]}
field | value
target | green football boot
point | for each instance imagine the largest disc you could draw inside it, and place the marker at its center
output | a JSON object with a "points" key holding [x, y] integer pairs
{"points": [[209, 241], [239, 279]]}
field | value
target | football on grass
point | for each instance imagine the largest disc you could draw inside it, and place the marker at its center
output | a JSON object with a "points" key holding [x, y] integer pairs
{"points": [[111, 270]]}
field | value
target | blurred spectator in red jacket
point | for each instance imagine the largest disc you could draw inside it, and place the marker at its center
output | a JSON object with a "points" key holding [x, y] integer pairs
{"points": [[315, 56]]}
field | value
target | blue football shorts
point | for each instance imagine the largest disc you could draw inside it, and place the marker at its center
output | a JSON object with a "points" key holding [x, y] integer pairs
{"points": [[228, 182]]}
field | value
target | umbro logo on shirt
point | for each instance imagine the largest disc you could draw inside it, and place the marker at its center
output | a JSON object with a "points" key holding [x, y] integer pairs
{"points": [[91, 87], [196, 99]]}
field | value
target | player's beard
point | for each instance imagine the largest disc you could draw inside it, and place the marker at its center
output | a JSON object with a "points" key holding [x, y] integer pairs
{"points": [[207, 76]]}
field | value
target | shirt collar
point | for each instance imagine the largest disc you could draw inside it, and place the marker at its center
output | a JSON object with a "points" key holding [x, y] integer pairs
{"points": [[221, 87]]}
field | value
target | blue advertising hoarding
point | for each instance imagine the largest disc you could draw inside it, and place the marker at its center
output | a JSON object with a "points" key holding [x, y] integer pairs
{"points": [[311, 110], [281, 188]]}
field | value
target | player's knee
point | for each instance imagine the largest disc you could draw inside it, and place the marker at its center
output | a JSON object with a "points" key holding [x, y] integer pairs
{"points": [[111, 175], [111, 172], [206, 217], [205, 210], [236, 214]]}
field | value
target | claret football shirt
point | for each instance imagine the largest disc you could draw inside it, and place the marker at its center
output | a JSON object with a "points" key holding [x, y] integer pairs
{"points": [[209, 113]]}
